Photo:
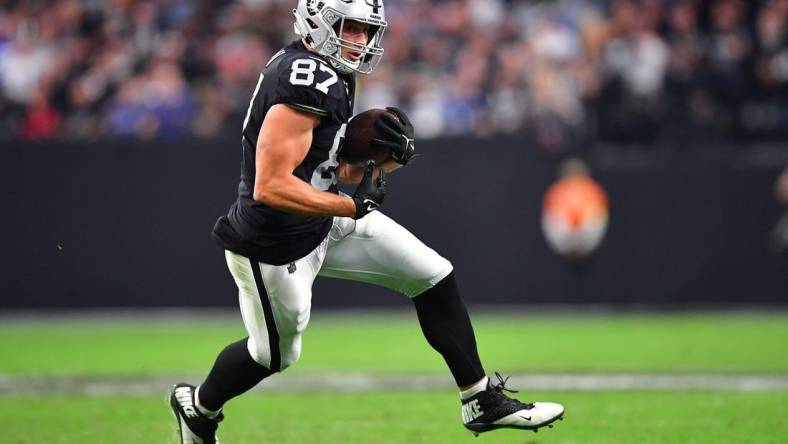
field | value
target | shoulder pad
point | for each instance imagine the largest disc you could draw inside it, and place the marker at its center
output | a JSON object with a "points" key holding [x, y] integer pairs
{"points": [[306, 82]]}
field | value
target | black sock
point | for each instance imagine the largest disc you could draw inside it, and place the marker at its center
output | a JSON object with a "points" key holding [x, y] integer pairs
{"points": [[233, 373], [447, 327]]}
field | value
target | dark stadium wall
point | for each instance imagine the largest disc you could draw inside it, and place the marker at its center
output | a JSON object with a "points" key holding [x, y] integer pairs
{"points": [[127, 224]]}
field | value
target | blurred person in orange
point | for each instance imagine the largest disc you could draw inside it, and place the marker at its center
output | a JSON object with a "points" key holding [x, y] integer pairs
{"points": [[574, 212]]}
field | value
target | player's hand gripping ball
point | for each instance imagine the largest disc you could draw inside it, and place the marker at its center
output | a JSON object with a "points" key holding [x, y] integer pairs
{"points": [[378, 134]]}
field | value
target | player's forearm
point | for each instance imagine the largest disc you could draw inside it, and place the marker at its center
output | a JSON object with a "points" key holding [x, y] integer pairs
{"points": [[292, 195]]}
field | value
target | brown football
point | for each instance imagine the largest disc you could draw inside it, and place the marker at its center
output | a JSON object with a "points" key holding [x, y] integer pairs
{"points": [[357, 147]]}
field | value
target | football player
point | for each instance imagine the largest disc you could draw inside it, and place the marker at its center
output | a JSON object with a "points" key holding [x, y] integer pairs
{"points": [[290, 224]]}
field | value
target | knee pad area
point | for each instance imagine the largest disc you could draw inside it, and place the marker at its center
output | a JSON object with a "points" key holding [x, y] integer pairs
{"points": [[289, 352], [441, 268], [261, 353]]}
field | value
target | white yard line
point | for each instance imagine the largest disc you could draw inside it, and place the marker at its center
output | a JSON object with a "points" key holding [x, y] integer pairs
{"points": [[368, 382]]}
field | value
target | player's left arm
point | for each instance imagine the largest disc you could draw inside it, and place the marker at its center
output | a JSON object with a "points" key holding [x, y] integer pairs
{"points": [[398, 137]]}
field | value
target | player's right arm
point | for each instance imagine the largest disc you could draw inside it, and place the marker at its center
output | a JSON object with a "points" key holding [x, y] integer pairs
{"points": [[283, 143]]}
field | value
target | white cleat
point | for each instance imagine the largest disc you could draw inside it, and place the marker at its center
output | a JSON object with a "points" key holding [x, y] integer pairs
{"points": [[491, 409]]}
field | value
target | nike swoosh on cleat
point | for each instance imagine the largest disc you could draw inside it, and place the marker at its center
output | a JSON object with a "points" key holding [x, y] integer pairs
{"points": [[525, 418]]}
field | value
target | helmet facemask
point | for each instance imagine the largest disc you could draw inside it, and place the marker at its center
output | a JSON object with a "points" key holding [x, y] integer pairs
{"points": [[371, 53], [321, 24]]}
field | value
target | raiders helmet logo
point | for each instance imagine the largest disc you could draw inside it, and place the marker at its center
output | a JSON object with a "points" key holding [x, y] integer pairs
{"points": [[376, 4], [314, 6]]}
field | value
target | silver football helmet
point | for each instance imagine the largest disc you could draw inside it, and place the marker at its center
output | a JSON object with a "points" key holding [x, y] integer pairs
{"points": [[320, 23]]}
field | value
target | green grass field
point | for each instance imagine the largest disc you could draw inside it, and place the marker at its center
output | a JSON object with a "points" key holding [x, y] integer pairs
{"points": [[392, 344]]}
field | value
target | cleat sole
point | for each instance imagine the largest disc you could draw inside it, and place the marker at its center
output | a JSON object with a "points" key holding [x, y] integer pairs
{"points": [[476, 429]]}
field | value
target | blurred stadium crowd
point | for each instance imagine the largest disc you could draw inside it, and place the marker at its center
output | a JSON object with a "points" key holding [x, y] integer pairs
{"points": [[561, 71]]}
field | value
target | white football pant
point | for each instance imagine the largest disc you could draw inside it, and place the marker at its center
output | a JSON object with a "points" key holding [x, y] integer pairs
{"points": [[276, 299]]}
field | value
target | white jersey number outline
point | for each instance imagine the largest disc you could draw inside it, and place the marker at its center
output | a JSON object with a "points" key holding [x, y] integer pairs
{"points": [[303, 73], [325, 175]]}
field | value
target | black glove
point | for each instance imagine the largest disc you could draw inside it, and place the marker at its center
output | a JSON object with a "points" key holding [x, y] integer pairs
{"points": [[399, 135], [370, 192]]}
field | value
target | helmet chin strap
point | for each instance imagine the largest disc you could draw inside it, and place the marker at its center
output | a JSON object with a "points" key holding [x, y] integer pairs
{"points": [[342, 67], [345, 68]]}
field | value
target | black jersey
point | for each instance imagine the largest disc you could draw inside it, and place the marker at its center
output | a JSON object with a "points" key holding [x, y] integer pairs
{"points": [[304, 81]]}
